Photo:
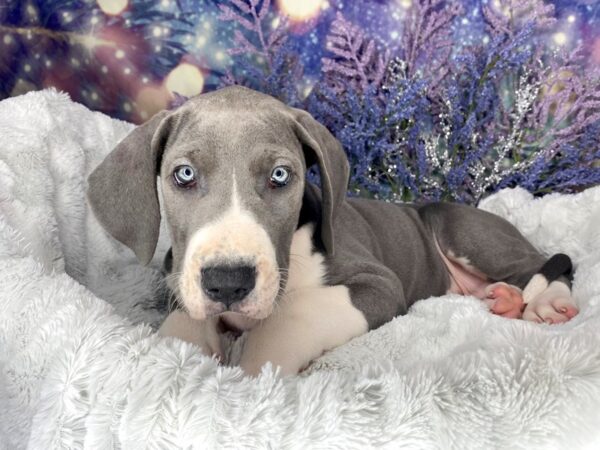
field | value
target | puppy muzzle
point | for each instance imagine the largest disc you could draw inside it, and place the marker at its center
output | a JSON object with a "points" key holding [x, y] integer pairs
{"points": [[230, 265]]}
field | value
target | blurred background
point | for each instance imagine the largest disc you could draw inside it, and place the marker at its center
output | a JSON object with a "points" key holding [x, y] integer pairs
{"points": [[127, 58], [431, 99]]}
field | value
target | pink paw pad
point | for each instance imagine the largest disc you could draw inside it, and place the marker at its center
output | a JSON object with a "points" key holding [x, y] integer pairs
{"points": [[504, 300]]}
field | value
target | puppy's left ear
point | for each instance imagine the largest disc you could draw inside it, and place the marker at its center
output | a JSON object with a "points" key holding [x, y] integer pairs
{"points": [[321, 147]]}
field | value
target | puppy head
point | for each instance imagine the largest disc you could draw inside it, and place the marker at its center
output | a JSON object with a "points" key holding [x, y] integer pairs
{"points": [[232, 171]]}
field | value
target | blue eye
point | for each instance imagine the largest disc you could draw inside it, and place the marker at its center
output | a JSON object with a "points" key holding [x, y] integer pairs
{"points": [[184, 176], [280, 176]]}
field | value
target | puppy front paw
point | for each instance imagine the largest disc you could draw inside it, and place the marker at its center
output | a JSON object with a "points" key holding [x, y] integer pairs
{"points": [[202, 333], [553, 305]]}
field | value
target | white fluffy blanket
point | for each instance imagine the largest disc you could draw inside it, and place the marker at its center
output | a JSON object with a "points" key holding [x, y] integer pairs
{"points": [[79, 369]]}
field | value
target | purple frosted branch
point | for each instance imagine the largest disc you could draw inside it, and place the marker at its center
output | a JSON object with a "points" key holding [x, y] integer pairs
{"points": [[354, 56], [241, 5], [369, 51], [268, 45], [264, 9], [497, 23], [277, 37], [243, 44], [259, 32], [228, 14], [514, 13], [428, 33], [381, 68], [333, 66], [440, 20]]}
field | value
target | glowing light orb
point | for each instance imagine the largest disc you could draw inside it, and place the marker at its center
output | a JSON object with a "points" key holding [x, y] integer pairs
{"points": [[151, 99], [112, 7], [560, 38], [200, 41], [300, 9], [185, 79], [571, 18], [406, 3]]}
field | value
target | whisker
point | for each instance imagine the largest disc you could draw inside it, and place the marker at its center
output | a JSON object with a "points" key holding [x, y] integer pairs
{"points": [[173, 300], [301, 260]]}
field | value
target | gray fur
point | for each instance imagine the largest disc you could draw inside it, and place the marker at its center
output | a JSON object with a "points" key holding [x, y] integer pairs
{"points": [[384, 253], [389, 260]]}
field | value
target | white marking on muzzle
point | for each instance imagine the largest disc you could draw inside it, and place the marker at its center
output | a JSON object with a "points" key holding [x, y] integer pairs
{"points": [[235, 237]]}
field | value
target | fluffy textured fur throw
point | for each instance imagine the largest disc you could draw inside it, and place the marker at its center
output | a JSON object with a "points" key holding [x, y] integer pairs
{"points": [[80, 366]]}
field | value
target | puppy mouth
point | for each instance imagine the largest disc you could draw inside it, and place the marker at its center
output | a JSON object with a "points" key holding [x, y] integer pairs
{"points": [[217, 309], [223, 326], [234, 323]]}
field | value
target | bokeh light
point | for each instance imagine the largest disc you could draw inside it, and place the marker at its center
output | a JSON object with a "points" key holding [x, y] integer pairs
{"points": [[185, 79], [112, 7], [151, 99], [560, 38], [301, 10], [118, 47]]}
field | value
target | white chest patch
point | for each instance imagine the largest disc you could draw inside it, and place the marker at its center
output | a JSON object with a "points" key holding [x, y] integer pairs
{"points": [[310, 317], [306, 269]]}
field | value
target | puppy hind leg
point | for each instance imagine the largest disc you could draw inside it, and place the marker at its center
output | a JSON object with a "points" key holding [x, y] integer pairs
{"points": [[498, 250], [503, 260], [553, 305], [492, 245]]}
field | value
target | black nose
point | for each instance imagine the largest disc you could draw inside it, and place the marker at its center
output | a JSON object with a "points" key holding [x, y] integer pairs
{"points": [[228, 284]]}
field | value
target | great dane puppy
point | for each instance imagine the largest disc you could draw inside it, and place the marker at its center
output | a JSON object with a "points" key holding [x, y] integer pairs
{"points": [[255, 247]]}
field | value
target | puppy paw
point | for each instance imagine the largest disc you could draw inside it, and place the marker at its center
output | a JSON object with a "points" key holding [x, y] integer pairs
{"points": [[553, 305], [202, 333], [504, 300]]}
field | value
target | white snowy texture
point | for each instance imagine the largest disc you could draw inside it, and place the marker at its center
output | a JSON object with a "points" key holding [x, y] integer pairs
{"points": [[81, 368]]}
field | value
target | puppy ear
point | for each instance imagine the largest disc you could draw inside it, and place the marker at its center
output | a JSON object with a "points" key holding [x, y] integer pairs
{"points": [[122, 189], [324, 149]]}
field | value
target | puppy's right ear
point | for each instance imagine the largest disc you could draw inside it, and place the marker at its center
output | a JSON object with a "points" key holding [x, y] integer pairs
{"points": [[122, 189]]}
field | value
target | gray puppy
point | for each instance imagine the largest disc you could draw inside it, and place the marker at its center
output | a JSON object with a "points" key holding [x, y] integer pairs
{"points": [[302, 270]]}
